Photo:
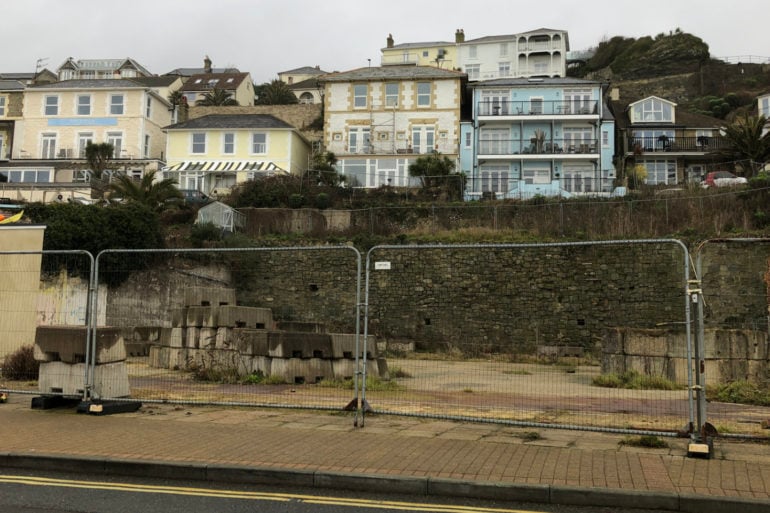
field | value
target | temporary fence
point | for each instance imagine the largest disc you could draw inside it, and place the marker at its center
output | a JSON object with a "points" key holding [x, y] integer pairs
{"points": [[246, 326], [593, 335], [44, 321]]}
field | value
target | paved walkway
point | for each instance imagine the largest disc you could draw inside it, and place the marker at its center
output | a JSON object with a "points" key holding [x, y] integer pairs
{"points": [[389, 453]]}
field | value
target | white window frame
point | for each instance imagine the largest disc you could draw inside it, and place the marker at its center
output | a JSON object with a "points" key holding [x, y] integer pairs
{"points": [[258, 143], [359, 139], [536, 176], [656, 169], [116, 140], [198, 143], [494, 178], [83, 107], [360, 96], [391, 97], [473, 51], [2, 149], [423, 96], [473, 71], [228, 143], [605, 138], [146, 146], [503, 49], [48, 143], [117, 104], [504, 69], [423, 139], [2, 106], [148, 107], [83, 139], [51, 105], [28, 175], [653, 109], [579, 178], [494, 141]]}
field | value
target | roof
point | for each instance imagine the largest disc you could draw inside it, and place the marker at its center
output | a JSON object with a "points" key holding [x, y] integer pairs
{"points": [[682, 118], [310, 83], [99, 83], [209, 81], [161, 81], [18, 76], [533, 81], [403, 46], [231, 121], [304, 70], [392, 73], [11, 85], [105, 64], [188, 72]]}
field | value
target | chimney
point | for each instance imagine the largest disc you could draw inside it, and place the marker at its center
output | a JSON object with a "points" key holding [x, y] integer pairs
{"points": [[207, 65], [459, 36], [614, 94], [390, 40]]}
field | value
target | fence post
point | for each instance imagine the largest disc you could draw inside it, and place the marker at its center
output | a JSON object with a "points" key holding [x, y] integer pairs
{"points": [[702, 444]]}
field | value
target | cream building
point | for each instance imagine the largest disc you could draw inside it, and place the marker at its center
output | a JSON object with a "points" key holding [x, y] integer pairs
{"points": [[378, 120], [441, 54], [61, 118], [213, 153]]}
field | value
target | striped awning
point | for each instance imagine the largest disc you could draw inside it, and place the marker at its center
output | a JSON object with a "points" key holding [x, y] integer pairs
{"points": [[220, 166]]}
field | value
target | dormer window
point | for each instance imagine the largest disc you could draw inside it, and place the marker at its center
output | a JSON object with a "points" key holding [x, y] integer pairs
{"points": [[652, 110]]}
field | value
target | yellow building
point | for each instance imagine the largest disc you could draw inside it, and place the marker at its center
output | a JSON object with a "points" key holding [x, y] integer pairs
{"points": [[213, 153], [441, 54]]}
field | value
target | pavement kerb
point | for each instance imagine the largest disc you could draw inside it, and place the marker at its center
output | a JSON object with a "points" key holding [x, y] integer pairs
{"points": [[424, 486]]}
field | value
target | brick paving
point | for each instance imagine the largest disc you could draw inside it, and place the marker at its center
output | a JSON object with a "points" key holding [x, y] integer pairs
{"points": [[392, 446]]}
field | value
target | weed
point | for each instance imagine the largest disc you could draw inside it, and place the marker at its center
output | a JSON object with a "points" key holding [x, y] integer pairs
{"points": [[529, 436], [741, 391], [648, 441], [21, 364], [274, 379], [374, 384], [468, 390], [398, 372], [634, 381]]}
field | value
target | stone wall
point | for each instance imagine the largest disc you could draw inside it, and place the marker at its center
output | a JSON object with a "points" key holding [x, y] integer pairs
{"points": [[262, 221]]}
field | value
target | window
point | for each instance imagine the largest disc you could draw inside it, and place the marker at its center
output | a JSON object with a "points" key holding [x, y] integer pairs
{"points": [[577, 101], [579, 179], [494, 102], [51, 105], [494, 141], [26, 175], [359, 95], [116, 104], [391, 95], [503, 49], [84, 138], [578, 139], [148, 107], [660, 171], [48, 146], [764, 106], [116, 140], [504, 69], [425, 53], [2, 150], [653, 109], [199, 143], [146, 146], [423, 139], [535, 105], [494, 178], [423, 94], [653, 140], [605, 138], [228, 143], [536, 176], [468, 139], [190, 98], [359, 139], [258, 143], [84, 105], [473, 71], [472, 51], [2, 105]]}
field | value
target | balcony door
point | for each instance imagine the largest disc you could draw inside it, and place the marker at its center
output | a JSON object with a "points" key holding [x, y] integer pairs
{"points": [[423, 139], [494, 141], [495, 102]]}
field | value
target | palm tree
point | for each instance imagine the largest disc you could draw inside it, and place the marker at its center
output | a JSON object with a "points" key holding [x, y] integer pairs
{"points": [[156, 195], [98, 156], [276, 92], [746, 140], [217, 98]]}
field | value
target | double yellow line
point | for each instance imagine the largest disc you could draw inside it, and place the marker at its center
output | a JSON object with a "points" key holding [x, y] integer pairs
{"points": [[259, 496]]}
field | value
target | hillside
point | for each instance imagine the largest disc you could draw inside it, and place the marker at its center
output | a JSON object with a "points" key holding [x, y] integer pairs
{"points": [[676, 66]]}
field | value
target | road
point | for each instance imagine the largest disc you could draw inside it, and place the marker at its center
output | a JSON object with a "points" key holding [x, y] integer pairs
{"points": [[30, 492]]}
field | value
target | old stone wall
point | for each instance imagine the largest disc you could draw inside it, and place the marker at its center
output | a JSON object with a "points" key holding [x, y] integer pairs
{"points": [[261, 221]]}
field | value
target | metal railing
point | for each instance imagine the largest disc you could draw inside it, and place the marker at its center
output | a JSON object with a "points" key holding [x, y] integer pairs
{"points": [[663, 143], [535, 146], [537, 108]]}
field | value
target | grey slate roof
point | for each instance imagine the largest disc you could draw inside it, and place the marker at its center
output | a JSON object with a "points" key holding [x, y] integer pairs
{"points": [[234, 121], [106, 83], [200, 82], [391, 73], [162, 81], [304, 70], [404, 46], [188, 72], [310, 83], [11, 85]]}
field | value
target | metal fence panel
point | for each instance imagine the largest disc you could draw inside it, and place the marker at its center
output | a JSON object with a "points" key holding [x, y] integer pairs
{"points": [[251, 326], [44, 321], [526, 334]]}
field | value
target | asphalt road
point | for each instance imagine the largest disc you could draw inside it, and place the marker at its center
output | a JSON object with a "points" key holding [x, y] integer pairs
{"points": [[28, 492]]}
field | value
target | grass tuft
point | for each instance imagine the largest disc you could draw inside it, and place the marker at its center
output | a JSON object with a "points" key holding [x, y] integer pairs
{"points": [[634, 381]]}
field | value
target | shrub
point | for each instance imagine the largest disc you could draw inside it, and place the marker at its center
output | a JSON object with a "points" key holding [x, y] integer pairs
{"points": [[634, 381], [296, 201], [21, 364], [201, 234], [741, 391], [649, 441]]}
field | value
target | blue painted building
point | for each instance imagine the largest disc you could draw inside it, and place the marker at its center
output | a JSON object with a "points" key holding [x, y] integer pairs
{"points": [[538, 136]]}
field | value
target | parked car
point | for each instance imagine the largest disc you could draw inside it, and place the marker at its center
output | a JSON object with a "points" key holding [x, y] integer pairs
{"points": [[722, 179]]}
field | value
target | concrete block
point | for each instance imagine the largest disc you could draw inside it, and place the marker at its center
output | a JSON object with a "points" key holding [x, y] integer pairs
{"points": [[287, 344], [224, 338], [261, 364], [207, 338], [173, 337], [192, 337], [209, 296], [383, 484], [249, 341], [110, 379], [199, 316], [441, 487], [68, 344], [649, 365], [306, 327], [642, 344], [245, 317], [296, 370], [159, 356], [142, 333], [344, 345], [179, 317], [343, 369]]}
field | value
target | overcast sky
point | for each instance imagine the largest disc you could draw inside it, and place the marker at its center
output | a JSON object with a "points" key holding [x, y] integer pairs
{"points": [[265, 37]]}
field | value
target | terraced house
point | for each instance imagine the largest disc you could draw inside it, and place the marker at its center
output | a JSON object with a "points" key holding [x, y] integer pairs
{"points": [[47, 160], [538, 136], [378, 120]]}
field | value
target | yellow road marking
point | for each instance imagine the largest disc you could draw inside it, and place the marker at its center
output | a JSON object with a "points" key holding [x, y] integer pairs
{"points": [[234, 494]]}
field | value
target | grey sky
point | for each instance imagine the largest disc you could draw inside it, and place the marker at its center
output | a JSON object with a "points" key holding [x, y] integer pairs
{"points": [[265, 37]]}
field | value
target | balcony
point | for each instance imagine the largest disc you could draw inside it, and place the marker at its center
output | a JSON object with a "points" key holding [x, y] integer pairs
{"points": [[514, 109], [565, 148], [400, 147], [676, 144]]}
